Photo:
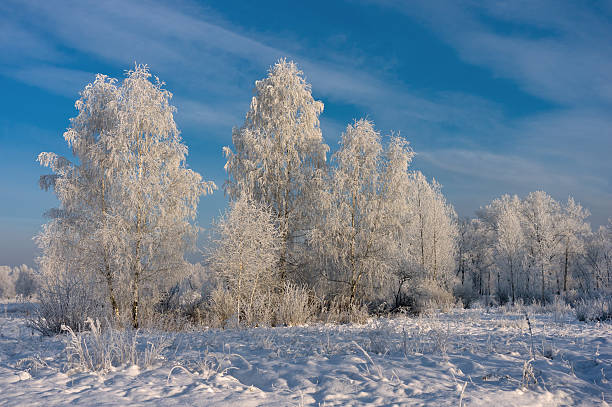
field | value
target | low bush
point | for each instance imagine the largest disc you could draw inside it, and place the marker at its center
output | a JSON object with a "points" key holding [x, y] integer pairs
{"points": [[429, 296], [296, 305], [63, 301], [342, 310], [594, 309]]}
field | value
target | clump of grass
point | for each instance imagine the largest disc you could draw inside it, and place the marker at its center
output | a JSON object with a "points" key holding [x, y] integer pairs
{"points": [[100, 351]]}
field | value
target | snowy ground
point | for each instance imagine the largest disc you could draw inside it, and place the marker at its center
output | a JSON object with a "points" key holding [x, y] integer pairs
{"points": [[470, 357]]}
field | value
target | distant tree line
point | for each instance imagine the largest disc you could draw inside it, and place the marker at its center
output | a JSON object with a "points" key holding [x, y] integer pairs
{"points": [[17, 281], [533, 249]]}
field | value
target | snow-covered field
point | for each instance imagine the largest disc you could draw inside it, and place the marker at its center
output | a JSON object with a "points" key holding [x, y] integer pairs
{"points": [[467, 357]]}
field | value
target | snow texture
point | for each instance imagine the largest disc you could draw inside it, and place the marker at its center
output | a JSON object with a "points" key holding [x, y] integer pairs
{"points": [[467, 357]]}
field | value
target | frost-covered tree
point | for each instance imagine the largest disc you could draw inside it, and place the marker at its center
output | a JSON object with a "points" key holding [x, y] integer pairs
{"points": [[84, 191], [159, 198], [7, 282], [504, 217], [537, 243], [278, 155], [364, 210], [541, 216], [463, 248], [352, 232], [245, 256], [25, 284], [573, 230], [397, 212], [128, 201], [595, 267], [434, 230], [479, 253]]}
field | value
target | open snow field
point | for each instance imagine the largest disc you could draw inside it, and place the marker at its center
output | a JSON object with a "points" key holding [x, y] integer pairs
{"points": [[468, 357]]}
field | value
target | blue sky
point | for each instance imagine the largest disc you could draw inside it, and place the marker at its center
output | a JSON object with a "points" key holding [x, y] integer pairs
{"points": [[495, 97]]}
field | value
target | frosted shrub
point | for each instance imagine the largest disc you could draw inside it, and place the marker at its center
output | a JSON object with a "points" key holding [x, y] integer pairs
{"points": [[594, 309], [221, 307], [228, 310], [429, 296], [560, 309], [295, 305], [341, 309], [63, 301], [245, 260]]}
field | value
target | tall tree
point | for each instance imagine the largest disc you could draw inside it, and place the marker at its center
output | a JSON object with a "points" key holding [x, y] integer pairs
{"points": [[352, 233], [82, 231], [128, 202], [509, 238], [398, 213], [541, 215], [433, 229], [596, 262], [279, 156], [573, 230]]}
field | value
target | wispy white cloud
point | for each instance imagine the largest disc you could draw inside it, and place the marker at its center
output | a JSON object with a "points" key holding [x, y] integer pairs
{"points": [[558, 54], [559, 51], [216, 63]]}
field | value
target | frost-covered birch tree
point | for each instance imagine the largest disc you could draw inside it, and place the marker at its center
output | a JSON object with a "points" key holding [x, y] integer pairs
{"points": [[434, 230], [573, 233], [480, 255], [128, 201], [351, 233], [398, 213], [505, 219], [595, 267], [278, 157], [363, 214], [245, 256], [541, 227], [77, 242]]}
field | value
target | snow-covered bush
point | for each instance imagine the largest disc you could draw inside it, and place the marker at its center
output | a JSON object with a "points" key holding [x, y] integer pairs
{"points": [[221, 309], [296, 305], [594, 309], [342, 310], [64, 299], [245, 258], [429, 296], [188, 302]]}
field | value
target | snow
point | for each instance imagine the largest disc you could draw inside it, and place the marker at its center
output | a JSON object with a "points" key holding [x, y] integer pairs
{"points": [[475, 356]]}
